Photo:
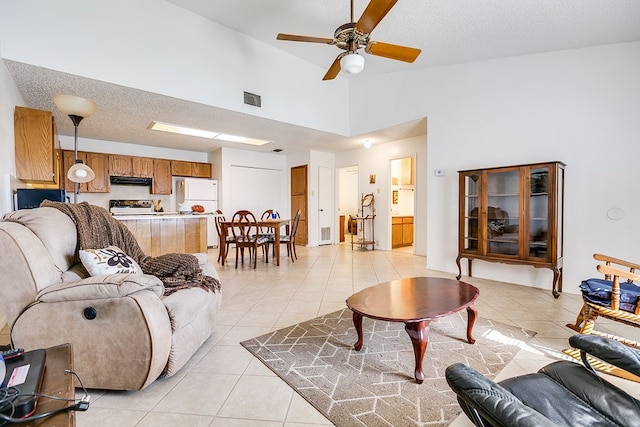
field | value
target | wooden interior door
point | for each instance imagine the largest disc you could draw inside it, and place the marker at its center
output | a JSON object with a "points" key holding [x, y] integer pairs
{"points": [[299, 201]]}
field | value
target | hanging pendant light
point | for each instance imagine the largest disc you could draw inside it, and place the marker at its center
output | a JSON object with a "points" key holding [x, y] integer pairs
{"points": [[76, 108]]}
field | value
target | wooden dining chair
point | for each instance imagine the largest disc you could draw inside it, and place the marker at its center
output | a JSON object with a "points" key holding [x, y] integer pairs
{"points": [[266, 231], [290, 238], [223, 247], [246, 234]]}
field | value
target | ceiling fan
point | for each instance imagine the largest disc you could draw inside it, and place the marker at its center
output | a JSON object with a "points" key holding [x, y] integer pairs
{"points": [[355, 35]]}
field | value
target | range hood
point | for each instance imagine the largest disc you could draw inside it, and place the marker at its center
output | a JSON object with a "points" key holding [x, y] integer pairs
{"points": [[130, 180]]}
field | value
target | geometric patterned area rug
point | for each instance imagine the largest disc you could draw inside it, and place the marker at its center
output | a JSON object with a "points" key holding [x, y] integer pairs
{"points": [[375, 386]]}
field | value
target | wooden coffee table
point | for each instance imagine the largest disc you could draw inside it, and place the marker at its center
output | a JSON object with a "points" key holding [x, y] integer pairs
{"points": [[415, 301]]}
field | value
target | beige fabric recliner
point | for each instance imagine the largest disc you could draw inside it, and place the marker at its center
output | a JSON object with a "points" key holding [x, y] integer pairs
{"points": [[136, 335]]}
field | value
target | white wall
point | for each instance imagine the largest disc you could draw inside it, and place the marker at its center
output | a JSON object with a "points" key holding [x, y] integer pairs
{"points": [[229, 158], [578, 106], [9, 98]]}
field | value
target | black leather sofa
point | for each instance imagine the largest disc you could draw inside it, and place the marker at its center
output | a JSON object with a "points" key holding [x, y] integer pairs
{"points": [[563, 393]]}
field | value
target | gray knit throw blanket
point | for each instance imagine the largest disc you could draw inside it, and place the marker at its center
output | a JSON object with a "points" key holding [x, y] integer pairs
{"points": [[98, 229]]}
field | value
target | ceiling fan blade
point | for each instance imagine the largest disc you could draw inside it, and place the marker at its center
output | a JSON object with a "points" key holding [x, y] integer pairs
{"points": [[373, 14], [393, 51], [295, 38], [334, 69]]}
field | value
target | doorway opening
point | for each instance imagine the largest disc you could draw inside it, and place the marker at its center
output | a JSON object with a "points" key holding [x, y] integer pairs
{"points": [[348, 202], [402, 204]]}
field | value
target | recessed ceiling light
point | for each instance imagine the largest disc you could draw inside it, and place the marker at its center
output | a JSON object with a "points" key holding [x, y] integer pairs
{"points": [[367, 143], [241, 139], [183, 130]]}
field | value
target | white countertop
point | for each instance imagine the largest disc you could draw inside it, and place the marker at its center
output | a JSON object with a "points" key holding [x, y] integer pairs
{"points": [[164, 215]]}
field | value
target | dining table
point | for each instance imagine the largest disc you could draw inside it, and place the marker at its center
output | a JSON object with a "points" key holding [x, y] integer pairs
{"points": [[271, 223]]}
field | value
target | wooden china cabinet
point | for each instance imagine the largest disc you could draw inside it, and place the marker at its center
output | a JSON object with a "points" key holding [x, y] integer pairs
{"points": [[513, 215]]}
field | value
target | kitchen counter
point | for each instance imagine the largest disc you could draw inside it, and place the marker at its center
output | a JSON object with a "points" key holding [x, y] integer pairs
{"points": [[163, 215], [168, 232]]}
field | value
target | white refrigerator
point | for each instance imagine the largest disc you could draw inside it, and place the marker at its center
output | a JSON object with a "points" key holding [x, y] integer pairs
{"points": [[199, 191]]}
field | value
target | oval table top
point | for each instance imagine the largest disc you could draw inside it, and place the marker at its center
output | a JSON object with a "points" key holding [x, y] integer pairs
{"points": [[413, 299]]}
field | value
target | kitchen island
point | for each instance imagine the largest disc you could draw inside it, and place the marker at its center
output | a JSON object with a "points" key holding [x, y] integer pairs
{"points": [[168, 232]]}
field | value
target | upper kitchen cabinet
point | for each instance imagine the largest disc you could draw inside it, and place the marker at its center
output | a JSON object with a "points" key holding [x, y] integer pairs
{"points": [[162, 182], [193, 169], [100, 164], [201, 170], [36, 142], [181, 168], [142, 167], [139, 167], [119, 165]]}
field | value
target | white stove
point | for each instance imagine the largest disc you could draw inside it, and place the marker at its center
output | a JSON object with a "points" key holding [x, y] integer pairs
{"points": [[131, 207]]}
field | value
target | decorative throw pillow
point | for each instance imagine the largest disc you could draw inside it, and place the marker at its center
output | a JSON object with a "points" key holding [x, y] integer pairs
{"points": [[109, 260]]}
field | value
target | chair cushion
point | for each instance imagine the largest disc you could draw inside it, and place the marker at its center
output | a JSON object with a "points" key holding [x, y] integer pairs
{"points": [[598, 291]]}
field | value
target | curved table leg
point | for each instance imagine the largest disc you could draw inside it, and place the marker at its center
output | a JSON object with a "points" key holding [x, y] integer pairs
{"points": [[419, 334], [357, 322], [472, 315]]}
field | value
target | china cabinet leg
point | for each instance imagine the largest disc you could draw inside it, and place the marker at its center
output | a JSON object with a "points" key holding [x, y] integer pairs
{"points": [[459, 269], [557, 282]]}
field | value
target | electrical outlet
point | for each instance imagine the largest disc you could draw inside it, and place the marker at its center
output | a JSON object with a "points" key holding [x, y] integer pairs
{"points": [[438, 172]]}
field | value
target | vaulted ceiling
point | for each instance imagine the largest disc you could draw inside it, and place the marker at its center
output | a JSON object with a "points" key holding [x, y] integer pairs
{"points": [[447, 32]]}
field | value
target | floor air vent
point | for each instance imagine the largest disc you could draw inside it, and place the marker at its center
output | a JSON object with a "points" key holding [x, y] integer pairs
{"points": [[252, 99], [325, 233]]}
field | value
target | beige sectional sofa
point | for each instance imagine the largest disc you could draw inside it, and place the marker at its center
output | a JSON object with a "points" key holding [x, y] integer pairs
{"points": [[125, 333]]}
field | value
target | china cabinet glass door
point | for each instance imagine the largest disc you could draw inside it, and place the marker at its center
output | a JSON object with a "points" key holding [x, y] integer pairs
{"points": [[471, 212], [503, 212], [538, 212]]}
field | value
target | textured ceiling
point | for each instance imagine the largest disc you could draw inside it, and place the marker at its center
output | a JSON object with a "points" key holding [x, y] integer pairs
{"points": [[125, 114], [447, 32]]}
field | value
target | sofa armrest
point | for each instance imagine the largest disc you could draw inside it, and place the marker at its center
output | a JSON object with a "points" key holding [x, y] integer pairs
{"points": [[608, 350], [102, 287], [485, 401]]}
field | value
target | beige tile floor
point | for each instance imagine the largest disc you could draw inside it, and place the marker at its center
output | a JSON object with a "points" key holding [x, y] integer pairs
{"points": [[223, 385]]}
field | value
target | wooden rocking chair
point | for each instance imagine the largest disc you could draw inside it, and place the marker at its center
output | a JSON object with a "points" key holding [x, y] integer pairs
{"points": [[613, 297]]}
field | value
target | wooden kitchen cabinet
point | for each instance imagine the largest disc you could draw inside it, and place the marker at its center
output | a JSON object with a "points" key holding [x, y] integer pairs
{"points": [[181, 168], [142, 167], [401, 231], [99, 162], [120, 165], [201, 170], [36, 142], [162, 182], [513, 215]]}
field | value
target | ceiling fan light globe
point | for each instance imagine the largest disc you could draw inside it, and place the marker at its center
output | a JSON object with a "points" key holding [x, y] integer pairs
{"points": [[352, 63]]}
